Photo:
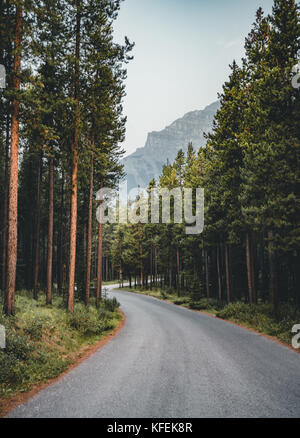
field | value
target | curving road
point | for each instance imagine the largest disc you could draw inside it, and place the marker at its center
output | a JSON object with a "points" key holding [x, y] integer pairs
{"points": [[170, 362]]}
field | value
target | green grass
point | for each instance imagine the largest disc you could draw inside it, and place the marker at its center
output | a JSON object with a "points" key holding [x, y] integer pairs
{"points": [[259, 317], [204, 304], [43, 341]]}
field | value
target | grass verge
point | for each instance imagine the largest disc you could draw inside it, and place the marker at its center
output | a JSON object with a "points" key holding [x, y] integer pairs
{"points": [[259, 317], [44, 341]]}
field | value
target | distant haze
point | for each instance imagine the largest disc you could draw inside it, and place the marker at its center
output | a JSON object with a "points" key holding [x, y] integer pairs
{"points": [[183, 49], [162, 146]]}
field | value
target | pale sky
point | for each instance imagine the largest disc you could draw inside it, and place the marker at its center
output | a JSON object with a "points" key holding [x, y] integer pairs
{"points": [[183, 49]]}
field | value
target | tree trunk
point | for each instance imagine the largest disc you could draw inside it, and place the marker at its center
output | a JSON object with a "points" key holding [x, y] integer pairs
{"points": [[37, 231], [5, 204], [178, 273], [60, 259], [99, 265], [170, 274], [73, 224], [249, 268], [253, 276], [120, 275], [155, 265], [89, 237], [207, 275], [6, 174], [227, 269], [50, 234], [219, 276], [9, 304], [151, 267], [264, 287], [100, 246], [272, 267]]}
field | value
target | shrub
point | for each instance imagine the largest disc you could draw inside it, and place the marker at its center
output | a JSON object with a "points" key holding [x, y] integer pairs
{"points": [[34, 329], [86, 321], [180, 301], [204, 304], [18, 345], [164, 295], [110, 304], [41, 340], [261, 317], [93, 321], [11, 369], [13, 359]]}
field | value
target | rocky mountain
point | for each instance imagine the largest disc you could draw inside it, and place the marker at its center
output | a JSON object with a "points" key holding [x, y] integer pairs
{"points": [[147, 162]]}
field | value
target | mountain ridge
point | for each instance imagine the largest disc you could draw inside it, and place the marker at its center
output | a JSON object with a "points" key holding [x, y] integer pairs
{"points": [[161, 146]]}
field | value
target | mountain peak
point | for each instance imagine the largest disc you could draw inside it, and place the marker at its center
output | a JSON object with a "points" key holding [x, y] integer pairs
{"points": [[147, 162]]}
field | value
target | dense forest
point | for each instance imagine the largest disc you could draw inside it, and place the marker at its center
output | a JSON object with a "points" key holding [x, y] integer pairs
{"points": [[62, 124], [249, 250]]}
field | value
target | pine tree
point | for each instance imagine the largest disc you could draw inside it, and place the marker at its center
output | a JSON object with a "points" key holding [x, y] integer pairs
{"points": [[9, 307]]}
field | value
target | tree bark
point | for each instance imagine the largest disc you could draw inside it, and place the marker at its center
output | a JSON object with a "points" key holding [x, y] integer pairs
{"points": [[178, 273], [264, 287], [73, 224], [272, 268], [207, 274], [9, 304], [89, 237], [100, 247], [151, 267], [170, 274], [219, 276], [249, 269], [227, 269], [37, 231], [141, 255], [60, 258], [156, 267], [5, 204], [50, 234], [6, 175], [99, 265], [121, 275], [253, 276]]}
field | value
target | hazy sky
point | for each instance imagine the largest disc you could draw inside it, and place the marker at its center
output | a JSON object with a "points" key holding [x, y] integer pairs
{"points": [[183, 49]]}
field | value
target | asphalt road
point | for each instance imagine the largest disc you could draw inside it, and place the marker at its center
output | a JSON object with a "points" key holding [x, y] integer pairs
{"points": [[170, 362]]}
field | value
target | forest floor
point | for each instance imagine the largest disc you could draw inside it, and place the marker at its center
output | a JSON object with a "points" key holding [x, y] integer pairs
{"points": [[258, 317], [42, 342]]}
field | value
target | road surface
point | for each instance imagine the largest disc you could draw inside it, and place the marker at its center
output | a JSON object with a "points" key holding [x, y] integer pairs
{"points": [[170, 362]]}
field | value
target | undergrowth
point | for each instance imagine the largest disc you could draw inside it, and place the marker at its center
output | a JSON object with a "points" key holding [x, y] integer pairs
{"points": [[259, 317], [42, 341]]}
